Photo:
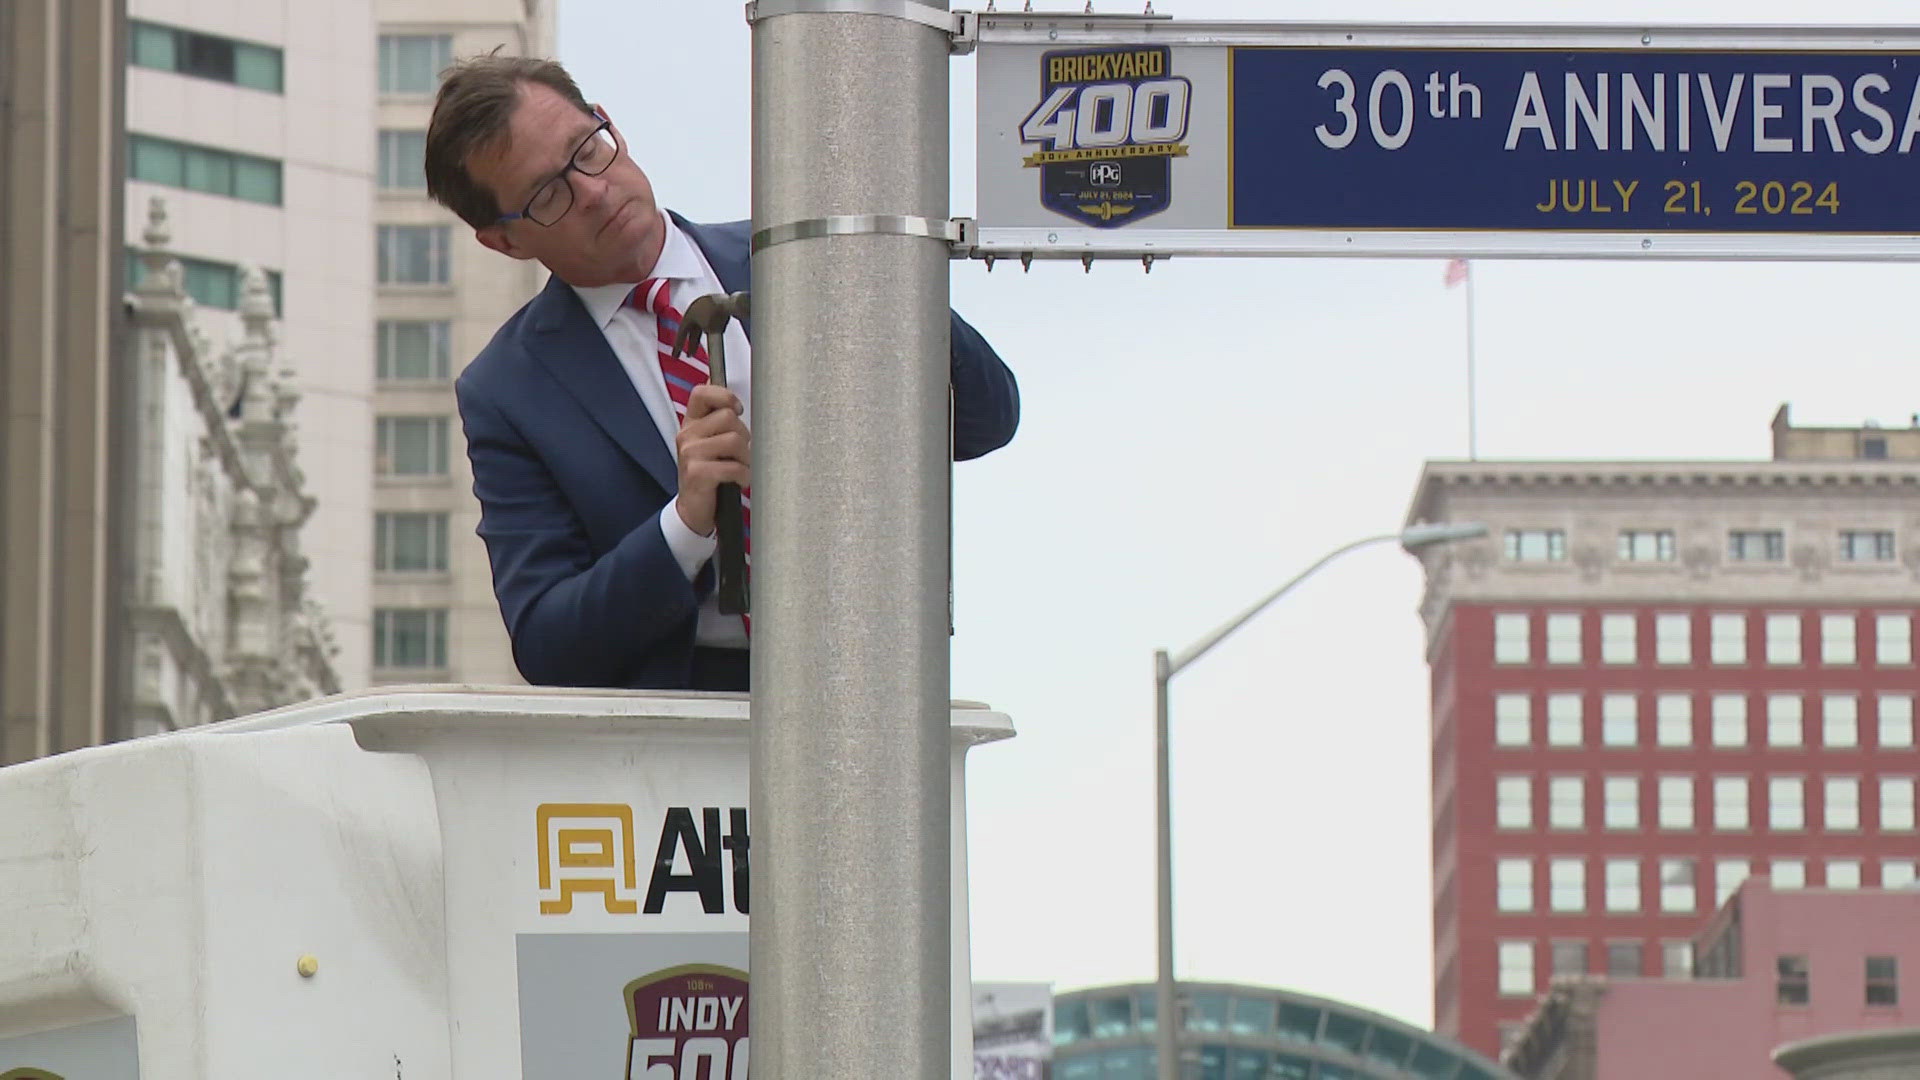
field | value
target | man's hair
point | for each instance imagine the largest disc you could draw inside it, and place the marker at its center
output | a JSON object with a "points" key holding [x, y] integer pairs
{"points": [[478, 95]]}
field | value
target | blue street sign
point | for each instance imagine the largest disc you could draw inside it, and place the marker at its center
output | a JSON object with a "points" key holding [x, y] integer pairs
{"points": [[1565, 140], [1131, 135]]}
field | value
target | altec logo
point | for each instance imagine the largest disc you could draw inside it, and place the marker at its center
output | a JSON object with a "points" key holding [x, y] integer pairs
{"points": [[587, 850]]}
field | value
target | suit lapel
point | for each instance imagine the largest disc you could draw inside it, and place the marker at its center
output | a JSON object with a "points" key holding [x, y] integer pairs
{"points": [[577, 354], [727, 248]]}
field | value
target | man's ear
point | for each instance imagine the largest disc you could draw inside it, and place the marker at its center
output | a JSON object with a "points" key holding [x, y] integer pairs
{"points": [[497, 238]]}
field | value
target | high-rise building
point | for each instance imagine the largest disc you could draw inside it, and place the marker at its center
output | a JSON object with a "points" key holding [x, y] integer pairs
{"points": [[1650, 680], [252, 122], [63, 408], [440, 298]]}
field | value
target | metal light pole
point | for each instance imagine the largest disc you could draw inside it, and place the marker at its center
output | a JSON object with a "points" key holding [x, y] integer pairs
{"points": [[1165, 667], [849, 944]]}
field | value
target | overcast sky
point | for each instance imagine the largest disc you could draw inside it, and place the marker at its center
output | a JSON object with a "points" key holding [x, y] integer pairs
{"points": [[1203, 467]]}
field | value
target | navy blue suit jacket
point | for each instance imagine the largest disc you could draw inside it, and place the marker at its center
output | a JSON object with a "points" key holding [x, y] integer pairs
{"points": [[572, 475]]}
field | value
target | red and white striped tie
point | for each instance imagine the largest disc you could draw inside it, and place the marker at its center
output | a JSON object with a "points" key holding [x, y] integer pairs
{"points": [[683, 373]]}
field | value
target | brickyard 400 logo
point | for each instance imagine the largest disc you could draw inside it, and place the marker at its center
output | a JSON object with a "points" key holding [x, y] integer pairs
{"points": [[1109, 123]]}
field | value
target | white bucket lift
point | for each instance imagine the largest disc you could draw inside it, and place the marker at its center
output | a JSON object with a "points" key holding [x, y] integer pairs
{"points": [[417, 883]]}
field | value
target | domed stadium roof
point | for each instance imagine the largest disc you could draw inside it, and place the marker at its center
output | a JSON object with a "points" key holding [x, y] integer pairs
{"points": [[1237, 1032]]}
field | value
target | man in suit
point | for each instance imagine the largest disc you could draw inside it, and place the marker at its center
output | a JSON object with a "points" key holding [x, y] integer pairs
{"points": [[596, 458]]}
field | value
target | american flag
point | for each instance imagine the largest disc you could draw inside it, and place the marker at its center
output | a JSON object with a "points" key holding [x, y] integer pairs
{"points": [[1456, 272]]}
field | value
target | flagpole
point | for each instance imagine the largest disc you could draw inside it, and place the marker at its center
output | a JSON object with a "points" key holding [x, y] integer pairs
{"points": [[1473, 433]]}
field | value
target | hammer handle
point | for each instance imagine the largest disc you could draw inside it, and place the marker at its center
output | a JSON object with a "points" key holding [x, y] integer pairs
{"points": [[730, 560]]}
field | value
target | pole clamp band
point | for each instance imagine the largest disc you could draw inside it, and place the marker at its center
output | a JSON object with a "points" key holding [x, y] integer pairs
{"points": [[924, 14], [859, 225]]}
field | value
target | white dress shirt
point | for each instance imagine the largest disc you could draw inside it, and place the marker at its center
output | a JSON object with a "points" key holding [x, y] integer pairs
{"points": [[632, 334]]}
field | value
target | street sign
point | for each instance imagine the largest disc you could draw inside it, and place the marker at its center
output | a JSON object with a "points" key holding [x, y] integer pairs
{"points": [[1110, 136]]}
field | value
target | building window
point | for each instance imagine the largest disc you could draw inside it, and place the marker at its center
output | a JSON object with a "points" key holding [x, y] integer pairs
{"points": [[205, 56], [1729, 720], [1622, 810], [1566, 802], [1893, 639], [409, 543], [1866, 545], [1623, 885], [1843, 873], [1514, 802], [1839, 721], [413, 351], [1676, 959], [1729, 638], [1511, 638], [1619, 720], [211, 284], [1676, 802], [403, 160], [1564, 720], [1568, 885], [1619, 639], [1626, 959], [1536, 545], [1883, 980], [1727, 876], [1676, 886], [204, 169], [1673, 637], [414, 254], [1788, 874], [1896, 803], [1111, 1017], [1783, 639], [1512, 719], [1730, 803], [1873, 448], [1842, 803], [1837, 639], [412, 63], [1896, 721], [1515, 892], [1563, 639], [1783, 720], [1569, 958], [1794, 986], [1516, 968], [410, 445], [1899, 873], [410, 637], [1646, 545], [1756, 545], [1674, 719], [1786, 803]]}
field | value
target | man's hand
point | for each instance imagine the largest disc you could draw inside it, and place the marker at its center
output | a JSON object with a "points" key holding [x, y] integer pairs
{"points": [[715, 448]]}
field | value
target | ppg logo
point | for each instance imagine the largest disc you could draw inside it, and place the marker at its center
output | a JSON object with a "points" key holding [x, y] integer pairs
{"points": [[1104, 174]]}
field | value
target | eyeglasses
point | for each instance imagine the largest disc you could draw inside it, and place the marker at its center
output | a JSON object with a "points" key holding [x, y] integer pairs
{"points": [[591, 158]]}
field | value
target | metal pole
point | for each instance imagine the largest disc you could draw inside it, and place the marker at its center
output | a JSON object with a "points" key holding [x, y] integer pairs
{"points": [[1473, 393], [849, 942], [1166, 1025]]}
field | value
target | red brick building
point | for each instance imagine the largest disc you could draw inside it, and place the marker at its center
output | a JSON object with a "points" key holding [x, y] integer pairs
{"points": [[1650, 680], [1775, 969]]}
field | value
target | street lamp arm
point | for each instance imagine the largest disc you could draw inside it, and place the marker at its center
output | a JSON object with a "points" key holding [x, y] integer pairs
{"points": [[1196, 651]]}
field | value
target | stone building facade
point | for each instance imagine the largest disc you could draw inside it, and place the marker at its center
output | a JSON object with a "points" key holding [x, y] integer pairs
{"points": [[219, 618]]}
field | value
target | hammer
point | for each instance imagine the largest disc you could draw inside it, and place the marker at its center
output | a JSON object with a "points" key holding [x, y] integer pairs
{"points": [[709, 315]]}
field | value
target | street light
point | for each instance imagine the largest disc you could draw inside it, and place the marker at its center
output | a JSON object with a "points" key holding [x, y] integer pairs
{"points": [[1414, 538]]}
